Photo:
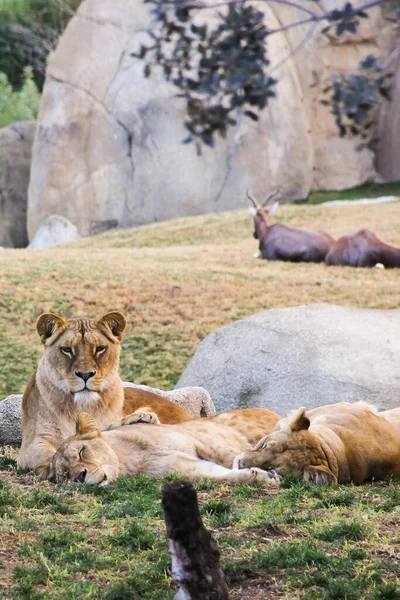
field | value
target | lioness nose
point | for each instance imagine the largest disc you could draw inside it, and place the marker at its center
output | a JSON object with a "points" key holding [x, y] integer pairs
{"points": [[85, 375], [80, 478]]}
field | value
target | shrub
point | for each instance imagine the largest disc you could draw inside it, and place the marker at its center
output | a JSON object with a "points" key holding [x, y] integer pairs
{"points": [[22, 105]]}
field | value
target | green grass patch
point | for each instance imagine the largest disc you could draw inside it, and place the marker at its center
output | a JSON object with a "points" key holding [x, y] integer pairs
{"points": [[367, 190], [341, 531]]}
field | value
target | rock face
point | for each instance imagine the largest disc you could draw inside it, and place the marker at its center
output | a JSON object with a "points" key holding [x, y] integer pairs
{"points": [[312, 355], [15, 157], [53, 231], [388, 152], [195, 400], [108, 148]]}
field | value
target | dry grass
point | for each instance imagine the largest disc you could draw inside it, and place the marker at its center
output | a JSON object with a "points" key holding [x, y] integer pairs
{"points": [[177, 282]]}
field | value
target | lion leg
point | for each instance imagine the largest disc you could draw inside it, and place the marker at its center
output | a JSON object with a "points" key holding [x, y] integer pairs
{"points": [[196, 468], [142, 415], [36, 453]]}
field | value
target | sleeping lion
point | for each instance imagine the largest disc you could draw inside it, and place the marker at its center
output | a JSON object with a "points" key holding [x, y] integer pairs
{"points": [[194, 449], [338, 443]]}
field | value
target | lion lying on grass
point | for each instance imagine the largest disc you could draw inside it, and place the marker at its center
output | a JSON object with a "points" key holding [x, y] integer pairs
{"points": [[338, 443], [194, 449], [79, 371]]}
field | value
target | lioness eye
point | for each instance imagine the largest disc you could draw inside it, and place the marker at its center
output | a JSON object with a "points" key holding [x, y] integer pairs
{"points": [[67, 350], [100, 349], [80, 454]]}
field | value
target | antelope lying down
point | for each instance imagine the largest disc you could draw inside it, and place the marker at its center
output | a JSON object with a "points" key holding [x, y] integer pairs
{"points": [[281, 242], [363, 249]]}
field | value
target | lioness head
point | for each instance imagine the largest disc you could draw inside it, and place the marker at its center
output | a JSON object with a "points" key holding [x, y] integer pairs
{"points": [[291, 448], [81, 355], [85, 457]]}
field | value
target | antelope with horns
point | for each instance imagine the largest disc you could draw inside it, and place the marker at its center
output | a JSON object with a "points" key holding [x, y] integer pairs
{"points": [[281, 242], [363, 249]]}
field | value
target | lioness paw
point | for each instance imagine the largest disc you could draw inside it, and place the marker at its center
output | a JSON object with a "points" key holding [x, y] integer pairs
{"points": [[269, 477], [146, 417]]}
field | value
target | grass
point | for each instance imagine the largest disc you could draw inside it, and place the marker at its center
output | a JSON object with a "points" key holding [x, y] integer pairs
{"points": [[366, 190], [177, 282]]}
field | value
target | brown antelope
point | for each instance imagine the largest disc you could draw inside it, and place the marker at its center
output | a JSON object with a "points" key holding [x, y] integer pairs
{"points": [[363, 249], [281, 242]]}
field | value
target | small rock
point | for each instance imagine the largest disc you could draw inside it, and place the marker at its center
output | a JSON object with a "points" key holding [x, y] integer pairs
{"points": [[53, 231]]}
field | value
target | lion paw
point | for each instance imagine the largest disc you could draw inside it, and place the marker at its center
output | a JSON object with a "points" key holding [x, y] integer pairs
{"points": [[144, 417], [270, 477]]}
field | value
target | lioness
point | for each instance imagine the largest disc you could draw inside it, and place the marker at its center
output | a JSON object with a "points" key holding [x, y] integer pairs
{"points": [[338, 443], [79, 371], [253, 423], [194, 449]]}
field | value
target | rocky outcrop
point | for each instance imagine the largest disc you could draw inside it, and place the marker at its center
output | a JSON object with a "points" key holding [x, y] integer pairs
{"points": [[55, 230], [108, 150], [312, 355], [388, 151], [195, 400], [15, 157]]}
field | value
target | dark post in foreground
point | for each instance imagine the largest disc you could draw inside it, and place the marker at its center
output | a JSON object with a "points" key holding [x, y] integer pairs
{"points": [[194, 553]]}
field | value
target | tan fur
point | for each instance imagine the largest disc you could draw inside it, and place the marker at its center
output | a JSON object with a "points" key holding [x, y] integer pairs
{"points": [[55, 395], [335, 443], [167, 412], [194, 449], [253, 423]]}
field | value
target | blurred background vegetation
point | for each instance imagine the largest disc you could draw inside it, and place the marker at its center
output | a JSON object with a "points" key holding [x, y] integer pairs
{"points": [[29, 32]]}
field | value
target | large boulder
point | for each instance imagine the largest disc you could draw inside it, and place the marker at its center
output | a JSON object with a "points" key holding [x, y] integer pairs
{"points": [[305, 356], [108, 150], [388, 133], [195, 400], [15, 159]]}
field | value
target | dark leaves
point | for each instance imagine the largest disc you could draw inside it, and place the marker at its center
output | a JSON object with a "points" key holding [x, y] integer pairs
{"points": [[219, 70], [355, 98], [346, 19]]}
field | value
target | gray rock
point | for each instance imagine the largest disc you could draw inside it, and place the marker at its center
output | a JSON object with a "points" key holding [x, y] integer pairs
{"points": [[304, 356], [10, 420], [195, 400], [15, 158], [53, 231]]}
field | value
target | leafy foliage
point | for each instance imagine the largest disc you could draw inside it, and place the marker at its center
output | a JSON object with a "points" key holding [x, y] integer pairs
{"points": [[219, 71], [355, 98], [29, 30], [22, 105], [347, 19]]}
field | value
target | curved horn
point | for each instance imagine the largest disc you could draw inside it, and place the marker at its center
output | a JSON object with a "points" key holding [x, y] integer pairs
{"points": [[251, 199], [267, 198]]}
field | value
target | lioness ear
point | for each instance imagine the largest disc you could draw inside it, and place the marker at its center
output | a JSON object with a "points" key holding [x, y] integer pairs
{"points": [[87, 426], [319, 475], [47, 324], [43, 471], [116, 322], [299, 421]]}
